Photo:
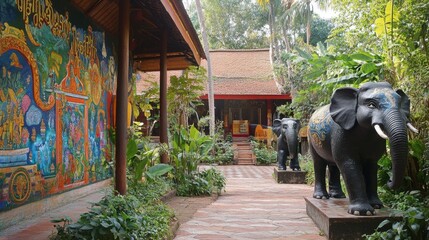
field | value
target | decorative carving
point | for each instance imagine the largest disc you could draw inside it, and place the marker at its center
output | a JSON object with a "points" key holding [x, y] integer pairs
{"points": [[19, 186]]}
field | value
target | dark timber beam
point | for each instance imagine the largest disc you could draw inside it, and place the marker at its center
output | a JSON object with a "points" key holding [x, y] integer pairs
{"points": [[122, 98], [163, 136]]}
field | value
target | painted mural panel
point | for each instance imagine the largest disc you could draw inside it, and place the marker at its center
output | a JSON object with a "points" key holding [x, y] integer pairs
{"points": [[57, 76]]}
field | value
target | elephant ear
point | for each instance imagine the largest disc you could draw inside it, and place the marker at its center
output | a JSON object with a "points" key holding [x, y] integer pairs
{"points": [[298, 124], [277, 127], [405, 103], [343, 107]]}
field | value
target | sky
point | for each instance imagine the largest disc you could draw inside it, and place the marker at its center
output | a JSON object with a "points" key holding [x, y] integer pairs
{"points": [[325, 14]]}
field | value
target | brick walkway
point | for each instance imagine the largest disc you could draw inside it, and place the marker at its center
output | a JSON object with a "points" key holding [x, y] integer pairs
{"points": [[254, 206]]}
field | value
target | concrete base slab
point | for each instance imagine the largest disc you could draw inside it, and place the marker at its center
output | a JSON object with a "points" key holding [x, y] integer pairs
{"points": [[289, 176], [35, 209], [331, 216]]}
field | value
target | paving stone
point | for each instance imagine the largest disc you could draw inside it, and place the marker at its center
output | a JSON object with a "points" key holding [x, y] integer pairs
{"points": [[254, 206]]}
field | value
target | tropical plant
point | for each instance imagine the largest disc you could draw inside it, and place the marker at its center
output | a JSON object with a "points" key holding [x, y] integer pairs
{"points": [[320, 30], [139, 215], [223, 152], [265, 155], [306, 163], [184, 95], [412, 206], [202, 183], [318, 72], [215, 178], [143, 157], [188, 148], [147, 102]]}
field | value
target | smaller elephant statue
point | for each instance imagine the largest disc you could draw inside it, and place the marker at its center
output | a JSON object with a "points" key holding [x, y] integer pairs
{"points": [[349, 136], [286, 130]]}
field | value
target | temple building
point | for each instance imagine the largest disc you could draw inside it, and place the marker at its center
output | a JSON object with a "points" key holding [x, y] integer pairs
{"points": [[245, 92]]}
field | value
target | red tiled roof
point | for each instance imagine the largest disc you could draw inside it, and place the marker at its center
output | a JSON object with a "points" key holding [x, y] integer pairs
{"points": [[242, 72], [143, 83], [235, 72]]}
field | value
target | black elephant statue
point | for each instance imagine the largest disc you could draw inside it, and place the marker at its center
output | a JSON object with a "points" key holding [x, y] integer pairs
{"points": [[286, 130], [349, 136]]}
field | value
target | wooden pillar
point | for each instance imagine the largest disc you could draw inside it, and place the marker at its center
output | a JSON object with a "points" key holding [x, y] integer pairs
{"points": [[122, 98], [163, 135], [269, 112]]}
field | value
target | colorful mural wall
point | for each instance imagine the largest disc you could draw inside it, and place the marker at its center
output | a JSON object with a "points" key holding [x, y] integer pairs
{"points": [[57, 76]]}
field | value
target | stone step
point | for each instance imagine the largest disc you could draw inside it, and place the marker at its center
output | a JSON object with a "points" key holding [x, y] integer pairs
{"points": [[244, 161], [244, 151], [250, 156], [240, 139], [243, 146], [245, 155]]}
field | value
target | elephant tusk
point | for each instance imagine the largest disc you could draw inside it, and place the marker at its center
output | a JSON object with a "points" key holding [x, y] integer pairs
{"points": [[412, 128], [380, 132]]}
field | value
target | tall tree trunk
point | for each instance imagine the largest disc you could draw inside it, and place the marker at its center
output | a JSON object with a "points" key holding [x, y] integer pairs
{"points": [[286, 25], [209, 68], [274, 48], [309, 19], [271, 22]]}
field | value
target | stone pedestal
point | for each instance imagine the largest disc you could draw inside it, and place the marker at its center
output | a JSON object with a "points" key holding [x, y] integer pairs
{"points": [[333, 220], [289, 176]]}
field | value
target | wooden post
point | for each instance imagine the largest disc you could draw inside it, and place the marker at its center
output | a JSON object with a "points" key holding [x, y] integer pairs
{"points": [[122, 98], [163, 136], [269, 112]]}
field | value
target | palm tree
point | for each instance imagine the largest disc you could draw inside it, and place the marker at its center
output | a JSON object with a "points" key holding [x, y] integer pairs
{"points": [[301, 12]]}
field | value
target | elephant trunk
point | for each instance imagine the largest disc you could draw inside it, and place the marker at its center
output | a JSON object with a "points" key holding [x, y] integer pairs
{"points": [[398, 138], [292, 143]]}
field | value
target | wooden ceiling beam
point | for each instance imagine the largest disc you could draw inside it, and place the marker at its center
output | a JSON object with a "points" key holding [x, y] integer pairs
{"points": [[140, 14], [149, 33], [151, 65], [92, 7], [156, 55]]}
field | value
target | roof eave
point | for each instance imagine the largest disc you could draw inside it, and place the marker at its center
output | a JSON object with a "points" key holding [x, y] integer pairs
{"points": [[178, 14], [248, 96]]}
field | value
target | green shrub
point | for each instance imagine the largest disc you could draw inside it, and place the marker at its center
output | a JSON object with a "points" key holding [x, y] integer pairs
{"points": [[306, 163], [193, 185], [201, 183], [415, 213], [264, 155], [137, 215], [119, 217], [224, 153], [151, 191], [215, 178]]}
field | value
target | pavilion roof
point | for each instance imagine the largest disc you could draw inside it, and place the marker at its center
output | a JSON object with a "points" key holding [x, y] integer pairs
{"points": [[242, 72], [148, 18], [235, 72]]}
